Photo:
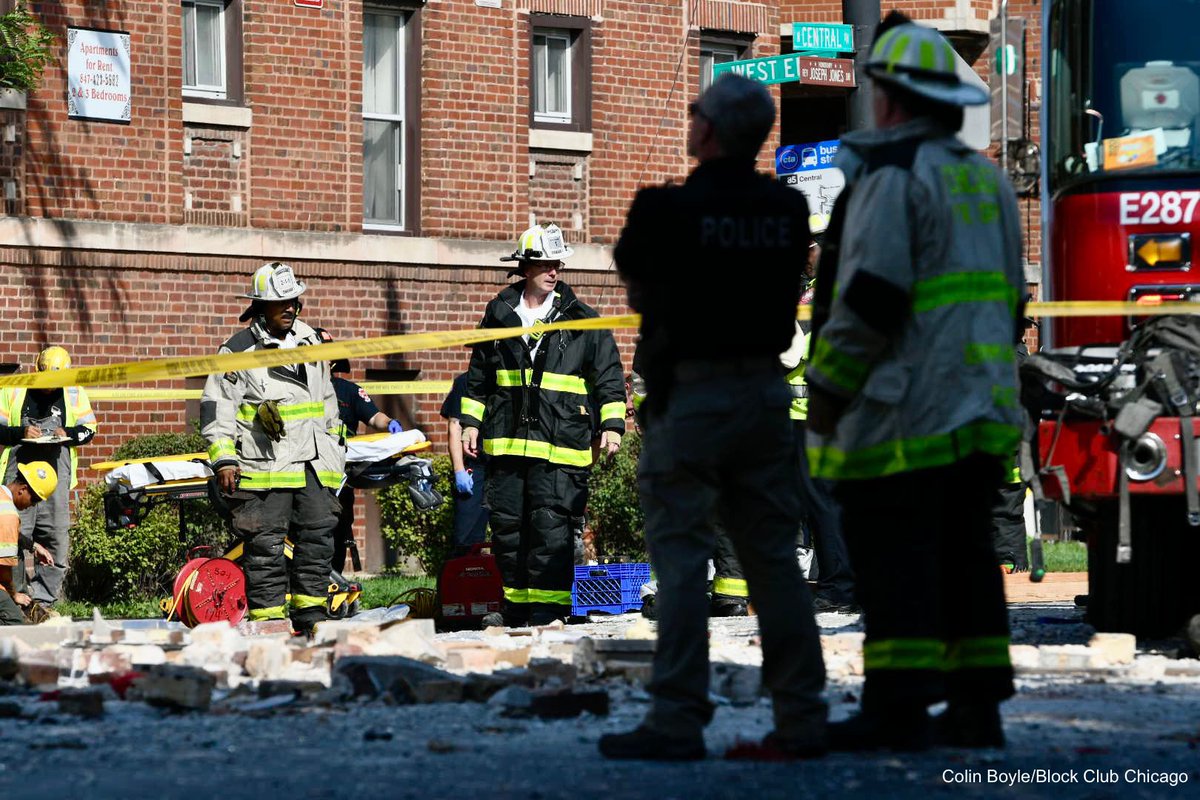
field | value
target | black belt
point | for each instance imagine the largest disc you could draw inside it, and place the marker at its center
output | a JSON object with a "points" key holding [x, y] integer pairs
{"points": [[700, 369]]}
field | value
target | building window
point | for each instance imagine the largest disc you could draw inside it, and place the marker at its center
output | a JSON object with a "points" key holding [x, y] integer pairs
{"points": [[212, 50], [560, 68], [383, 118], [714, 50], [552, 76]]}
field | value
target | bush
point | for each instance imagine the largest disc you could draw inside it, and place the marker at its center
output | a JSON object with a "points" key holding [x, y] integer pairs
{"points": [[425, 535], [614, 509], [138, 563]]}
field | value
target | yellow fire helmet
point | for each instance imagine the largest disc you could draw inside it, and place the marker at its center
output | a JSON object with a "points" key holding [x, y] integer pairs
{"points": [[53, 358], [40, 476]]}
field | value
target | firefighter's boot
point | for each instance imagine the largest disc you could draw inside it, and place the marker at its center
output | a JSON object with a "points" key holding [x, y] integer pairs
{"points": [[305, 621], [900, 728], [723, 605], [966, 724]]}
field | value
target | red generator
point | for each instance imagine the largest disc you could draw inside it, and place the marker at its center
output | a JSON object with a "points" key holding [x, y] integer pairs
{"points": [[469, 588]]}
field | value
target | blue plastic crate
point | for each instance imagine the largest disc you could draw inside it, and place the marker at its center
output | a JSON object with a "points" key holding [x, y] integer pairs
{"points": [[608, 588]]}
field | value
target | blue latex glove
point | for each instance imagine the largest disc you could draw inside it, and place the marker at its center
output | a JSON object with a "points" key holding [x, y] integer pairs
{"points": [[463, 481], [395, 427]]}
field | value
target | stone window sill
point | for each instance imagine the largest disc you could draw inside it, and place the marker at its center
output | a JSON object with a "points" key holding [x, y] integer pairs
{"points": [[222, 116], [542, 139]]}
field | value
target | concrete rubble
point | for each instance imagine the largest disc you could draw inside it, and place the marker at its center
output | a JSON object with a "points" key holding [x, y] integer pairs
{"points": [[82, 668]]}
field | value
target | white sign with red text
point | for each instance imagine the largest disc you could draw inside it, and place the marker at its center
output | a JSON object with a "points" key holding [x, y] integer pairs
{"points": [[98, 75]]}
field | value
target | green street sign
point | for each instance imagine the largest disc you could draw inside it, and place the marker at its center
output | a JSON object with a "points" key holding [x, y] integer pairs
{"points": [[792, 67], [821, 37]]}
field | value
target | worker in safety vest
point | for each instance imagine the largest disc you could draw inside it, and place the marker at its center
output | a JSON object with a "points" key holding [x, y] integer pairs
{"points": [[45, 425], [276, 444], [528, 407], [835, 579], [35, 481], [912, 403]]}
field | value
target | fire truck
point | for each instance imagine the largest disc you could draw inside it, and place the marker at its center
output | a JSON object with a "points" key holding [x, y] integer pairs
{"points": [[1117, 397]]}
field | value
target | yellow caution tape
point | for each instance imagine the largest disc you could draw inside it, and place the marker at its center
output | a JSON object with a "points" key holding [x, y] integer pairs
{"points": [[372, 387], [169, 368], [1108, 308]]}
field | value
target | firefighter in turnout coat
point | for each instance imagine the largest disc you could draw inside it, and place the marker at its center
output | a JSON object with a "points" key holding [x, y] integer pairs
{"points": [[276, 443], [529, 406]]}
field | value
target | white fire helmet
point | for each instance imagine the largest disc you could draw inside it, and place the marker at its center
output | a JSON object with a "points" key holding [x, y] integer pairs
{"points": [[275, 281], [541, 244]]}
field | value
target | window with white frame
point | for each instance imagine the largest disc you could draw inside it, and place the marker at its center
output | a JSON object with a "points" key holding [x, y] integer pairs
{"points": [[711, 54], [204, 57], [383, 118], [552, 75]]}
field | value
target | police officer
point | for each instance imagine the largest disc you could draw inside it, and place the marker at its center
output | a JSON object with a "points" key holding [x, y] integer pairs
{"points": [[913, 397], [46, 425], [715, 317], [275, 442], [537, 391], [355, 408]]}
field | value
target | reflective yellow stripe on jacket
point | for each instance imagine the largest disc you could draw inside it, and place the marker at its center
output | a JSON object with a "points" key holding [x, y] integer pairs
{"points": [[287, 411], [553, 381], [531, 448], [921, 452]]}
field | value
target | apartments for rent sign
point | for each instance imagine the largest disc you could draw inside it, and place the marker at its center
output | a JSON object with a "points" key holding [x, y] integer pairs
{"points": [[98, 75]]}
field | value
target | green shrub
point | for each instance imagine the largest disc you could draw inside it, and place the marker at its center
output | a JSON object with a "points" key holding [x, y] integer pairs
{"points": [[425, 535], [141, 562], [614, 509]]}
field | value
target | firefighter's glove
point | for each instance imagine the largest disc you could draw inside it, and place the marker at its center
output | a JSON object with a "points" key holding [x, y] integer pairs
{"points": [[270, 419]]}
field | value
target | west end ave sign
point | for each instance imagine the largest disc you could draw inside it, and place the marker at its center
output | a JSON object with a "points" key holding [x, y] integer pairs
{"points": [[792, 67]]}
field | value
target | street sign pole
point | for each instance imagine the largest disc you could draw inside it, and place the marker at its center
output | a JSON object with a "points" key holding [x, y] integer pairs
{"points": [[864, 16]]}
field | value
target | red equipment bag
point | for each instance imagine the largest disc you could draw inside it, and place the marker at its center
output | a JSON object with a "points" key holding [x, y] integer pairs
{"points": [[469, 587]]}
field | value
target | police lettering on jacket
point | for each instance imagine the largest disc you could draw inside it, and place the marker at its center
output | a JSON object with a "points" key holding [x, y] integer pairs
{"points": [[729, 232]]}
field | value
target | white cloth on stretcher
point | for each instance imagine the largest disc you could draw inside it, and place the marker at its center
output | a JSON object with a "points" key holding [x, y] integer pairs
{"points": [[378, 449], [137, 476]]}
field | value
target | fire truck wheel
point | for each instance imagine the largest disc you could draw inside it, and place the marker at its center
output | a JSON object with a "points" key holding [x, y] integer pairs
{"points": [[1154, 595]]}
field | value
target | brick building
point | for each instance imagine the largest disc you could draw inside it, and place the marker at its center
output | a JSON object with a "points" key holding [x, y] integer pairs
{"points": [[391, 151]]}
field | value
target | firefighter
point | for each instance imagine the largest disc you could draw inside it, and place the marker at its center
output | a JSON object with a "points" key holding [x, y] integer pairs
{"points": [[835, 579], [355, 408], [537, 390], [275, 443], [714, 268], [34, 482], [45, 425], [913, 398]]}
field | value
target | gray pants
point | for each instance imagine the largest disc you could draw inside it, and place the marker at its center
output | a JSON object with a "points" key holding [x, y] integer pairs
{"points": [[725, 446], [49, 524], [10, 612]]}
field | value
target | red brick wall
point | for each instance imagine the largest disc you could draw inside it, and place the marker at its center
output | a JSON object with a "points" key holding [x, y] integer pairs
{"points": [[90, 170]]}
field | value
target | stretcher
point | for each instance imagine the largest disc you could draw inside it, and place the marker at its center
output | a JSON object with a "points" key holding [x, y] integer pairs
{"points": [[212, 588]]}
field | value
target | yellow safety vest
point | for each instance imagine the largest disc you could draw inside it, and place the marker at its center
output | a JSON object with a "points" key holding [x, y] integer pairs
{"points": [[795, 378], [79, 412]]}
